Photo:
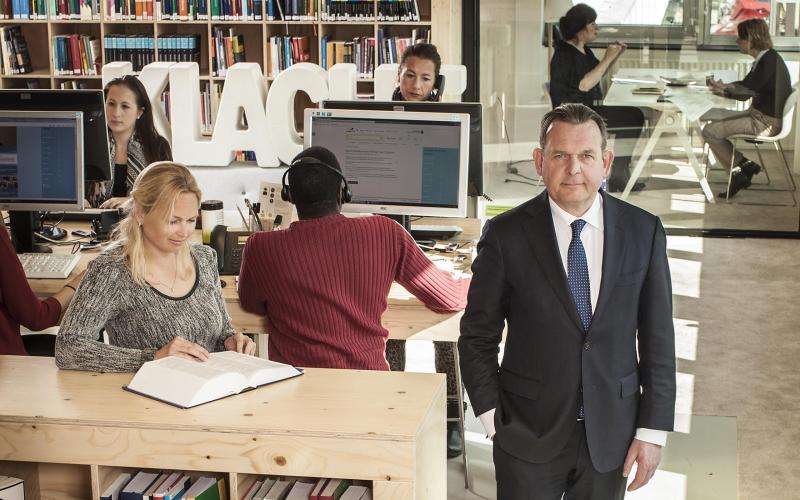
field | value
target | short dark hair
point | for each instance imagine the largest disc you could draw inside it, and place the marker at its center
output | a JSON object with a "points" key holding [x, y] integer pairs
{"points": [[576, 114], [576, 18], [755, 31], [423, 51], [314, 188]]}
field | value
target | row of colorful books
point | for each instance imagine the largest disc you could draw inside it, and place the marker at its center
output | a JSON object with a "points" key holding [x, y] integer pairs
{"points": [[138, 49], [291, 10], [14, 49], [359, 51], [269, 488], [391, 48], [185, 10], [227, 48], [76, 55], [283, 51], [54, 9], [164, 486]]}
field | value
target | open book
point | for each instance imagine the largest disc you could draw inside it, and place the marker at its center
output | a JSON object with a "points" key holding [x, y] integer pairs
{"points": [[186, 383]]}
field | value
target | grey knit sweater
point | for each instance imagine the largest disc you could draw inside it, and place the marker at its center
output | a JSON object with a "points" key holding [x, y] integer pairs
{"points": [[139, 319]]}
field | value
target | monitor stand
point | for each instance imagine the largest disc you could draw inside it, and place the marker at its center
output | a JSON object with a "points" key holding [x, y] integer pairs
{"points": [[23, 225], [425, 232]]}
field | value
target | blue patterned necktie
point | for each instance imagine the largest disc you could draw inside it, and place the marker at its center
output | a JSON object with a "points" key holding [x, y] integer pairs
{"points": [[579, 286], [578, 275]]}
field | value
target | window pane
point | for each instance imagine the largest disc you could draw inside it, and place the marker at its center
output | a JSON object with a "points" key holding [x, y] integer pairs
{"points": [[637, 12], [726, 14]]}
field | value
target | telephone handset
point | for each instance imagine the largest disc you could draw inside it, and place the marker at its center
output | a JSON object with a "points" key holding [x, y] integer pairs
{"points": [[438, 89], [229, 245]]}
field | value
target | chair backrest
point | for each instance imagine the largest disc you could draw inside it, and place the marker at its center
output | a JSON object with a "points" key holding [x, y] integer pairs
{"points": [[788, 108]]}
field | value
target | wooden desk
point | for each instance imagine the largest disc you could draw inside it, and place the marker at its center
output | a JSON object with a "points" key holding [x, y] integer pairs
{"points": [[81, 429], [405, 318]]}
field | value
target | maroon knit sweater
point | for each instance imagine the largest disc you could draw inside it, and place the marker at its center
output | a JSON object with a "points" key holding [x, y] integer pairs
{"points": [[323, 286], [18, 304]]}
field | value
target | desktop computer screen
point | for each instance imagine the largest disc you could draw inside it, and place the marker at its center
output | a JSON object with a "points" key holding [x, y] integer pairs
{"points": [[398, 163], [473, 109], [97, 162], [41, 167]]}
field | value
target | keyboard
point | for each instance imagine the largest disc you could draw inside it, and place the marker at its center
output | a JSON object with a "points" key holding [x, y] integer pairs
{"points": [[48, 265]]}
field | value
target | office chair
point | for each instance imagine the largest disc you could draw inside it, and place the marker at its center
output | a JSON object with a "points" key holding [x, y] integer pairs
{"points": [[756, 140]]}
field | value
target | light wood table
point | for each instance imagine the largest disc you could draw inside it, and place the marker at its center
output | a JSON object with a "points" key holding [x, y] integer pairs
{"points": [[69, 433]]}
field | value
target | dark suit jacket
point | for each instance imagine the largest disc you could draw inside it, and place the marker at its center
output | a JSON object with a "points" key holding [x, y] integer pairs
{"points": [[518, 277]]}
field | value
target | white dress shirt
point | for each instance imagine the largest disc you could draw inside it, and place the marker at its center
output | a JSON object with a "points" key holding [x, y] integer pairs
{"points": [[592, 239]]}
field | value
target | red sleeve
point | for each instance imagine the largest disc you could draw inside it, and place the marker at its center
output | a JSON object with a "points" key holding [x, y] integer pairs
{"points": [[20, 301], [250, 290], [437, 289]]}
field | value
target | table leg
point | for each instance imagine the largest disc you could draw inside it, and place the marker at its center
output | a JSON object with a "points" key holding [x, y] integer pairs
{"points": [[460, 400], [648, 150], [687, 146]]}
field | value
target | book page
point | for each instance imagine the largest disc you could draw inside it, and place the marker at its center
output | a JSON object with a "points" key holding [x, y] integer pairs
{"points": [[185, 382], [258, 371]]}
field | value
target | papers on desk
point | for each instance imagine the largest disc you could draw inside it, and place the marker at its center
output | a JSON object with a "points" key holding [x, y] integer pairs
{"points": [[693, 104], [644, 80], [648, 90]]}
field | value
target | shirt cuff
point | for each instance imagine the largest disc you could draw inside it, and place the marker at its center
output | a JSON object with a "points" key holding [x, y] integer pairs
{"points": [[487, 419], [651, 436]]}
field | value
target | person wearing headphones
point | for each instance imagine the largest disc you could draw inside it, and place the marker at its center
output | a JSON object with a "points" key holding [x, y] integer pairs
{"points": [[323, 282], [418, 75]]}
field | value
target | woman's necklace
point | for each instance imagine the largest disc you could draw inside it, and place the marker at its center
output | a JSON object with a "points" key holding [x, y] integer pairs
{"points": [[174, 278]]}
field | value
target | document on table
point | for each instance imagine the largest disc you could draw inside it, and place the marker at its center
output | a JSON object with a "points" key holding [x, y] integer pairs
{"points": [[693, 103]]}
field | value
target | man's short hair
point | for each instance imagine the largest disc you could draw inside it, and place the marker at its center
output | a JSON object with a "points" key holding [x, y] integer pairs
{"points": [[575, 114], [314, 186], [756, 32]]}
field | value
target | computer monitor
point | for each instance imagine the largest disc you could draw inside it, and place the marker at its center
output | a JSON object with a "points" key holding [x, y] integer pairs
{"points": [[399, 163], [473, 109], [97, 161], [41, 167]]}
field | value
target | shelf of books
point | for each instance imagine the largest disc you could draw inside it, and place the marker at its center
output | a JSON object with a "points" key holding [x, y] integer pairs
{"points": [[64, 43], [64, 481]]}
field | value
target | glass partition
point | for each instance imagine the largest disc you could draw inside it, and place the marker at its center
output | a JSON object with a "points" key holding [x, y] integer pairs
{"points": [[671, 48]]}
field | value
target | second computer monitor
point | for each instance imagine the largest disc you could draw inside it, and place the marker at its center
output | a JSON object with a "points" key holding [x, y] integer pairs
{"points": [[473, 109], [97, 161], [399, 163]]}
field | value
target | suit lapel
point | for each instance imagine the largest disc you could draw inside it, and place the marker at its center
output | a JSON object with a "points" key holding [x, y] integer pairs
{"points": [[538, 229], [613, 250]]}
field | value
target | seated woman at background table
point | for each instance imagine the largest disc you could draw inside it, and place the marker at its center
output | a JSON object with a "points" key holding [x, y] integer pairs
{"points": [[768, 84], [155, 294], [575, 75], [19, 305], [133, 138]]}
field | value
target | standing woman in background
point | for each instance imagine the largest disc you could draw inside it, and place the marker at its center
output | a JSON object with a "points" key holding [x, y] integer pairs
{"points": [[134, 141], [575, 75], [420, 80], [20, 306]]}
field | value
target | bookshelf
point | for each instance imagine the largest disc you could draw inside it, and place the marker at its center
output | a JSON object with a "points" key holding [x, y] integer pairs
{"points": [[383, 429], [439, 18]]}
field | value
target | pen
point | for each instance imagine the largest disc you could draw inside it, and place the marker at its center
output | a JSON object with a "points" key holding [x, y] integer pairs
{"points": [[246, 225], [255, 215]]}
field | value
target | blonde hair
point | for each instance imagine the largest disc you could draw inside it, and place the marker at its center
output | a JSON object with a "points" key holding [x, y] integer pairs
{"points": [[154, 192]]}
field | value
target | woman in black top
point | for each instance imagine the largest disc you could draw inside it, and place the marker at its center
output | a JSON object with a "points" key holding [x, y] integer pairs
{"points": [[135, 143], [575, 75], [768, 84]]}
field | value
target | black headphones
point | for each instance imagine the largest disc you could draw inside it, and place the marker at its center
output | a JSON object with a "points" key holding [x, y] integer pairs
{"points": [[347, 195]]}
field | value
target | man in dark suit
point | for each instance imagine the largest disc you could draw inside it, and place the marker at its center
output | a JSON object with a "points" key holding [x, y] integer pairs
{"points": [[587, 383]]}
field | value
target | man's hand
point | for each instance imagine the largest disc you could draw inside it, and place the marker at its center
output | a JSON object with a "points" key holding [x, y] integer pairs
{"points": [[182, 348], [240, 343], [647, 456]]}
